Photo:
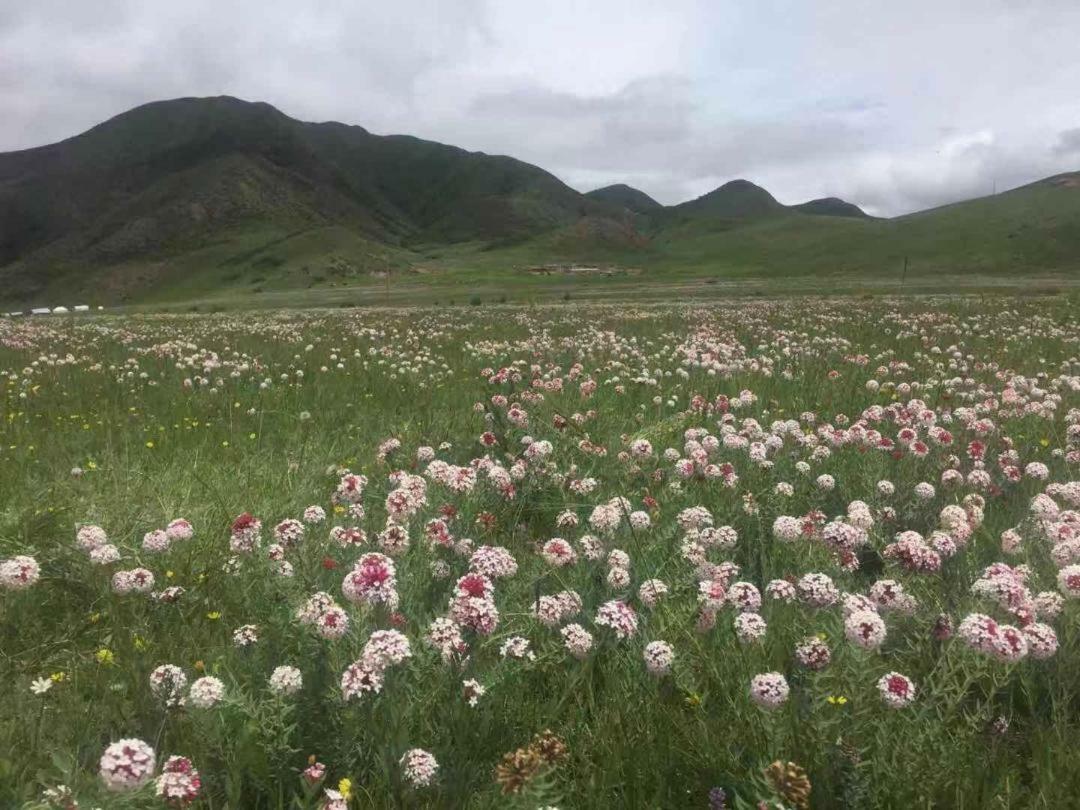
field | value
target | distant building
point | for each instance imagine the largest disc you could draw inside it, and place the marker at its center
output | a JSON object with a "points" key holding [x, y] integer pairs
{"points": [[60, 311], [82, 308], [41, 311]]}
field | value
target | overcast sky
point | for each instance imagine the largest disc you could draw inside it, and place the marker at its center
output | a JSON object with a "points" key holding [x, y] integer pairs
{"points": [[895, 105]]}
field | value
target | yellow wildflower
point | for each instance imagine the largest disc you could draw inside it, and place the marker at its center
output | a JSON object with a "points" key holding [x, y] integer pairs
{"points": [[345, 788]]}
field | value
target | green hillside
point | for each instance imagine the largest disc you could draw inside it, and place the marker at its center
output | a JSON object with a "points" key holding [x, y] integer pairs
{"points": [[737, 199], [829, 207], [626, 197], [1033, 230], [133, 199], [203, 197]]}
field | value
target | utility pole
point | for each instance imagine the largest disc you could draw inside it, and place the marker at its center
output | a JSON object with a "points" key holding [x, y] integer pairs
{"points": [[903, 276]]}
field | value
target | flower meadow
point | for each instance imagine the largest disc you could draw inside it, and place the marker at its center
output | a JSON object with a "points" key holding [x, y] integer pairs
{"points": [[818, 553]]}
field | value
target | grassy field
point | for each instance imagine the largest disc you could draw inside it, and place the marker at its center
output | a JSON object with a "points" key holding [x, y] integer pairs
{"points": [[779, 552]]}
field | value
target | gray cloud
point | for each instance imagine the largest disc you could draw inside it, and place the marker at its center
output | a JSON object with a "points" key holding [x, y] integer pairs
{"points": [[1068, 142], [894, 112], [650, 132]]}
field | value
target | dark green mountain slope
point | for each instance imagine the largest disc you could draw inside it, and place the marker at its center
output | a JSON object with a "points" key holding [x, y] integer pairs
{"points": [[737, 199], [626, 197], [829, 207], [168, 178]]}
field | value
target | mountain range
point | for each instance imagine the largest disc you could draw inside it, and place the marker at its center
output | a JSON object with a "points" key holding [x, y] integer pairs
{"points": [[199, 194]]}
